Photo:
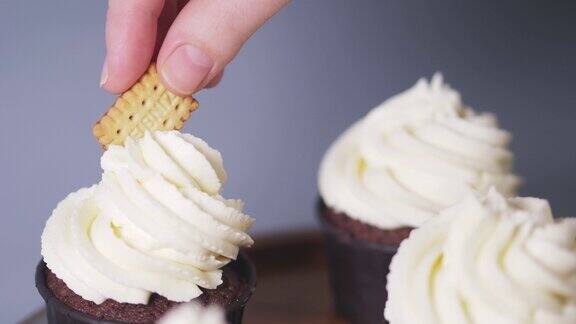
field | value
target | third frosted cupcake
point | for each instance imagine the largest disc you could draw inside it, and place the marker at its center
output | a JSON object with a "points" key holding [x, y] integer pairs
{"points": [[415, 154]]}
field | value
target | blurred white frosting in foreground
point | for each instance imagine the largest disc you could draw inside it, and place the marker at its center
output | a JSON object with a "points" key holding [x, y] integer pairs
{"points": [[194, 313], [486, 261]]}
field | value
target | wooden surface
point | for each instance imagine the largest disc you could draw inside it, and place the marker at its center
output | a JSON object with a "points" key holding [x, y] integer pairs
{"points": [[292, 282]]}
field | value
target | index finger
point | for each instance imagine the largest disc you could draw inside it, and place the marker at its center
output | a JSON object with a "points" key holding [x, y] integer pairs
{"points": [[131, 27]]}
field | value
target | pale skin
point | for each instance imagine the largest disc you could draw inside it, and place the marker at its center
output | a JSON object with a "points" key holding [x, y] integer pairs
{"points": [[190, 41]]}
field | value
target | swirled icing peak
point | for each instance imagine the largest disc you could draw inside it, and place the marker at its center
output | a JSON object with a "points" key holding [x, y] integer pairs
{"points": [[415, 154], [492, 260], [156, 223]]}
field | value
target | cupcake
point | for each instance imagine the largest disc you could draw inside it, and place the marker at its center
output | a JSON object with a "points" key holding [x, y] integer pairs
{"points": [[155, 232], [415, 154], [492, 260]]}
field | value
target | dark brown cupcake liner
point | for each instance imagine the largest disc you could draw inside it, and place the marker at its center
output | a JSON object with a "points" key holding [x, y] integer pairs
{"points": [[358, 269], [60, 313]]}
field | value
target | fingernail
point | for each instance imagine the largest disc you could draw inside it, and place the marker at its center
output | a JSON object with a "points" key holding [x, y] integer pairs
{"points": [[104, 74], [186, 68]]}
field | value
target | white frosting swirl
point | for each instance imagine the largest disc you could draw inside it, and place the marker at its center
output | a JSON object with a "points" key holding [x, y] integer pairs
{"points": [[415, 154], [155, 224], [495, 260]]}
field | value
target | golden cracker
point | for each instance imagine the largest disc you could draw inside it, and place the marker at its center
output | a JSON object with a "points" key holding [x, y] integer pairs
{"points": [[148, 105]]}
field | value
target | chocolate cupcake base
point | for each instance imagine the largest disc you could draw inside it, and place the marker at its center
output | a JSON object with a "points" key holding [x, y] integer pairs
{"points": [[63, 306], [359, 257]]}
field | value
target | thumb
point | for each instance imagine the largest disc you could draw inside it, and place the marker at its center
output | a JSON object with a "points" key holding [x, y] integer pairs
{"points": [[206, 36]]}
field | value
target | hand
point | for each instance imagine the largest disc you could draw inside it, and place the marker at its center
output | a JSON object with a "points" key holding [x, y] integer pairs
{"points": [[191, 41]]}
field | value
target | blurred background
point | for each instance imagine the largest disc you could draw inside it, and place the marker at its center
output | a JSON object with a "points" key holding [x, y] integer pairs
{"points": [[315, 68]]}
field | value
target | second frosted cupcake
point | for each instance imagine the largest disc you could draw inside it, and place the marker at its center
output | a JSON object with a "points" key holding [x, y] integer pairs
{"points": [[417, 153]]}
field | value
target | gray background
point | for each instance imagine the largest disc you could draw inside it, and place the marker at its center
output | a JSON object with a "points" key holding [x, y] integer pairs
{"points": [[315, 68]]}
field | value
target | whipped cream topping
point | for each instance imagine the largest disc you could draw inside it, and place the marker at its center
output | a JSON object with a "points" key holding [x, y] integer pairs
{"points": [[491, 260], [415, 154], [156, 223], [191, 313]]}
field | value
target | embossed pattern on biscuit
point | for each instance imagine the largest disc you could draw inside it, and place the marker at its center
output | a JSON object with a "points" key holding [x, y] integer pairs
{"points": [[148, 105]]}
